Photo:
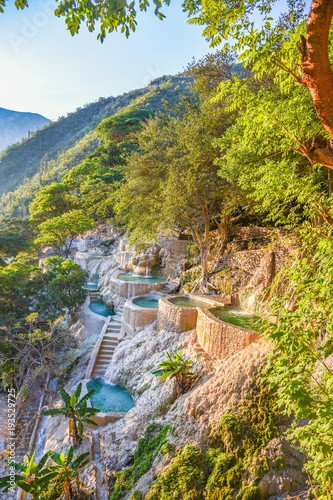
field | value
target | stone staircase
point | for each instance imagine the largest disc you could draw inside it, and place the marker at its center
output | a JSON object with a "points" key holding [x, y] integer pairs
{"points": [[94, 294], [109, 343]]}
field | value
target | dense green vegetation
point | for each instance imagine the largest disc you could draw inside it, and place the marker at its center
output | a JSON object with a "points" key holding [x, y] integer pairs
{"points": [[220, 471], [148, 447], [55, 149], [252, 144]]}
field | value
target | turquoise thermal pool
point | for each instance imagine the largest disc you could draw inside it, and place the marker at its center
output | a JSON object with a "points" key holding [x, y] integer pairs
{"points": [[146, 301], [140, 279], [92, 286], [98, 307], [237, 317], [109, 397], [185, 301]]}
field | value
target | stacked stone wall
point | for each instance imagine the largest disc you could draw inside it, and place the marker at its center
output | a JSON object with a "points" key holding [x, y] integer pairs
{"points": [[220, 339], [136, 318], [175, 318]]}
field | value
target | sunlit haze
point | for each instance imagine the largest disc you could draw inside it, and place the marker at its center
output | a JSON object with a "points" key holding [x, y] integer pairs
{"points": [[46, 70]]}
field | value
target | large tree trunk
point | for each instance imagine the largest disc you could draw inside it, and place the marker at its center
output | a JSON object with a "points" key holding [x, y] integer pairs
{"points": [[317, 76]]}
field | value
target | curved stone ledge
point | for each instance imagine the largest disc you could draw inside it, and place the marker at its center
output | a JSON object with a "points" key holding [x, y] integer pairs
{"points": [[178, 318], [136, 318], [220, 339], [131, 289]]}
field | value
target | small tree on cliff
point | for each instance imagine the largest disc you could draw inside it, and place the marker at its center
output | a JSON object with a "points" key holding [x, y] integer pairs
{"points": [[172, 182], [60, 231], [77, 411]]}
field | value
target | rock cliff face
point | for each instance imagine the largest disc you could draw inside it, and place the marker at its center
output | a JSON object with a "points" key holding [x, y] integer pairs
{"points": [[220, 386], [219, 389], [167, 255]]}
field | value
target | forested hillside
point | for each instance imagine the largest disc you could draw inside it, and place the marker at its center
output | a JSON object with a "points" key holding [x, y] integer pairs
{"points": [[198, 221], [50, 152], [16, 125]]}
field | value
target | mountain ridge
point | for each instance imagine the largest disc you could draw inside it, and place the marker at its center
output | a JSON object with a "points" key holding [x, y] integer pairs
{"points": [[17, 125], [49, 153]]}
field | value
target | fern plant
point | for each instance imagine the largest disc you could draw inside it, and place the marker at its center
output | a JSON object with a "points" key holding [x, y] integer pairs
{"points": [[178, 368]]}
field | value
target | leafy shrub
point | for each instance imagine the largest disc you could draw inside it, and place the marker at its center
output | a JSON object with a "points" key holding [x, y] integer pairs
{"points": [[249, 493], [144, 455], [263, 467], [183, 480], [136, 495], [280, 463]]}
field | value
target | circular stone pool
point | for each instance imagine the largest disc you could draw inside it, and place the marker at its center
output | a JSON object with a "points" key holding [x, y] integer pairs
{"points": [[109, 397], [137, 278], [185, 301], [98, 307], [237, 317], [146, 301], [92, 286]]}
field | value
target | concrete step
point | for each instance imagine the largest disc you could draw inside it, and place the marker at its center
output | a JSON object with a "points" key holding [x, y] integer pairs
{"points": [[104, 360], [99, 373], [106, 351], [103, 365], [111, 344]]}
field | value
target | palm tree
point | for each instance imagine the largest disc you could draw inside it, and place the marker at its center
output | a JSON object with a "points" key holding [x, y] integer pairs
{"points": [[76, 410], [34, 479], [175, 366], [67, 469]]}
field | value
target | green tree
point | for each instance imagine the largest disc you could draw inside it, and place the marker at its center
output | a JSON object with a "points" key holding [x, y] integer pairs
{"points": [[32, 349], [16, 236], [66, 287], [109, 15], [34, 478], [124, 126], [300, 367], [297, 51], [67, 468], [76, 410], [172, 181], [178, 368], [53, 201], [60, 231]]}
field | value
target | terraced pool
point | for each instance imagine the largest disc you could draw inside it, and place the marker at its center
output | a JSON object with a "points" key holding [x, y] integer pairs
{"points": [[109, 397], [237, 317], [186, 301], [98, 307], [137, 278], [146, 301]]}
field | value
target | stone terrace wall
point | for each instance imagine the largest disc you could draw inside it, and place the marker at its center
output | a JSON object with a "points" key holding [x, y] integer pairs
{"points": [[136, 318], [248, 260], [128, 289], [220, 339], [175, 318], [251, 232]]}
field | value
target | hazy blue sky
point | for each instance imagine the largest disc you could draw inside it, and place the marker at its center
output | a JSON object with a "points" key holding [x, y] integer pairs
{"points": [[46, 70]]}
